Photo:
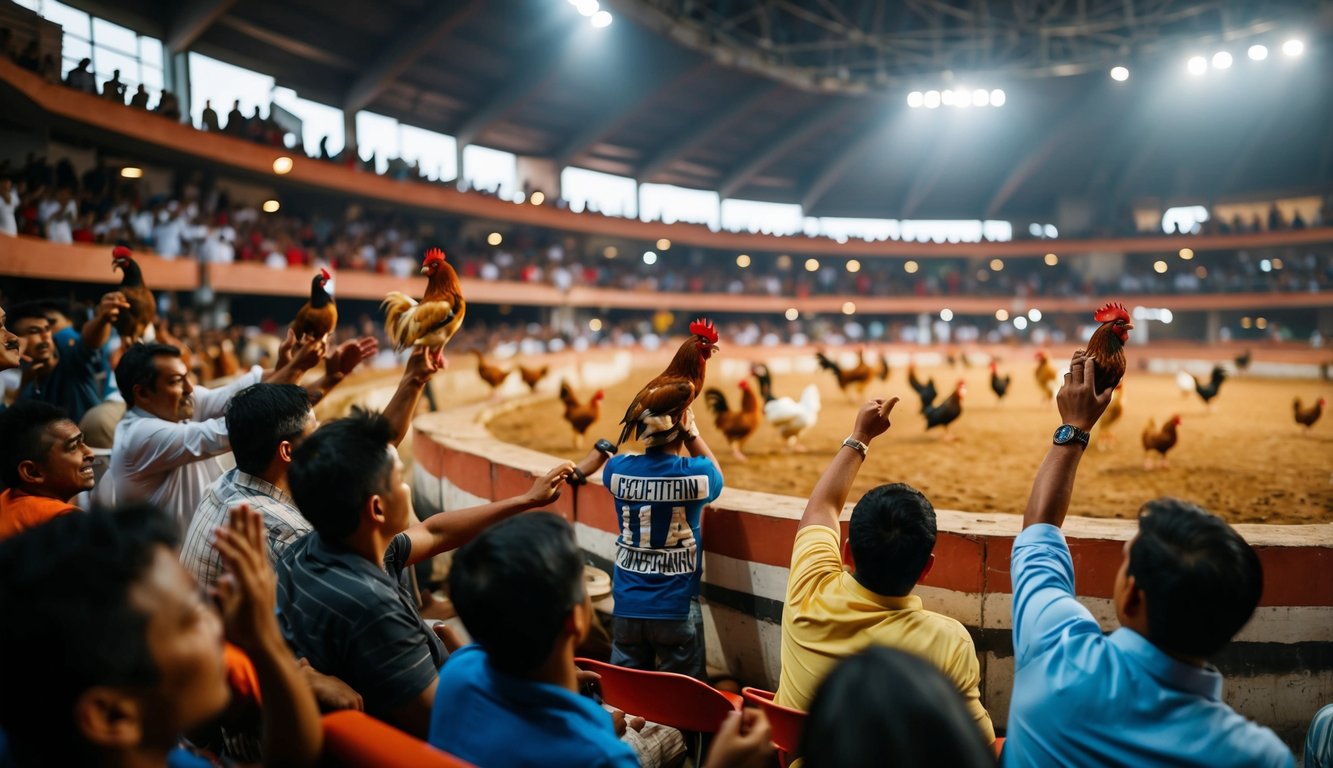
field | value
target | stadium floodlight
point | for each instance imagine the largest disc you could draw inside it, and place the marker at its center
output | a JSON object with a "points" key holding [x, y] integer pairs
{"points": [[1221, 60], [1119, 74], [981, 97], [601, 19], [963, 97], [997, 98], [587, 7], [1293, 47], [1197, 65], [1258, 52], [931, 99], [1020, 322], [946, 314], [649, 258], [915, 99], [947, 98]]}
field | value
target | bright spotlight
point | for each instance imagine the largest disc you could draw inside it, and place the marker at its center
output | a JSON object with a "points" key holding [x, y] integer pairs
{"points": [[1002, 315], [1293, 47], [996, 265], [849, 307], [963, 97], [915, 99], [649, 258], [271, 206], [663, 244], [1159, 267], [494, 238], [946, 314], [981, 97], [1186, 253], [537, 198], [947, 98], [997, 98], [1020, 322], [1051, 259], [911, 267], [601, 19], [282, 165], [1166, 316], [931, 99], [1119, 74], [1221, 60], [1197, 65], [1034, 315], [131, 172], [594, 325], [587, 7], [853, 265], [812, 265], [1258, 52], [610, 252], [792, 313], [743, 261]]}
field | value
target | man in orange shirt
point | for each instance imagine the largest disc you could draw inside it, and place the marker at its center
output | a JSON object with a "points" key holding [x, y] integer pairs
{"points": [[43, 465]]}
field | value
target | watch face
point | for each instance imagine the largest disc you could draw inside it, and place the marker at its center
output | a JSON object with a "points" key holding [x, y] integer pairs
{"points": [[1064, 434]]}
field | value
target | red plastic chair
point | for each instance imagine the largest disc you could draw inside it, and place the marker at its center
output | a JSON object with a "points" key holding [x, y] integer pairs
{"points": [[787, 723], [357, 740]]}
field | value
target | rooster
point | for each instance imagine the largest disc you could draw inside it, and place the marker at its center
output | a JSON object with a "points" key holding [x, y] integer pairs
{"points": [[533, 376], [1306, 417], [1185, 383], [1243, 360], [491, 374], [947, 412], [1208, 391], [1046, 375], [134, 322], [883, 366], [856, 377], [737, 426], [791, 418], [579, 415], [434, 321], [1107, 346], [1116, 408], [1160, 441], [998, 385], [656, 410], [926, 392], [319, 316]]}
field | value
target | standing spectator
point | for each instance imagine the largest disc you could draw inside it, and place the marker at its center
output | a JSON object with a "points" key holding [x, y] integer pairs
{"points": [[81, 78], [64, 368], [168, 107], [140, 98], [113, 89], [659, 497], [209, 119], [44, 464], [60, 217], [169, 230], [1144, 694], [9, 203], [832, 613], [236, 120]]}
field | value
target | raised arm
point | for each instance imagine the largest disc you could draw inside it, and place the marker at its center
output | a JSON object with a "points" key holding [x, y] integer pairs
{"points": [[294, 359], [450, 530], [97, 330], [421, 366], [1080, 406], [830, 494], [694, 442], [342, 361]]}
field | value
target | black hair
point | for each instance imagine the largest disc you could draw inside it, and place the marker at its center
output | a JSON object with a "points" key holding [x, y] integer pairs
{"points": [[337, 469], [25, 310], [884, 704], [262, 416], [136, 367], [69, 624], [24, 426], [892, 533], [1201, 580], [514, 586]]}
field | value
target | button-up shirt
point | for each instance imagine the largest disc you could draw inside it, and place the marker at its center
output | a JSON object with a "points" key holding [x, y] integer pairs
{"points": [[1084, 698], [172, 463], [284, 522]]}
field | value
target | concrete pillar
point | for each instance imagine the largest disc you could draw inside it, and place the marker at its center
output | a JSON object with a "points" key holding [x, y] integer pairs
{"points": [[349, 132], [1213, 327], [176, 78]]}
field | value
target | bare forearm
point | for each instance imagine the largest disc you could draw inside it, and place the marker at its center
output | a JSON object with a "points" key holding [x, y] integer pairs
{"points": [[403, 406], [450, 530], [317, 390], [97, 331], [697, 448], [1054, 486], [292, 732], [830, 494]]}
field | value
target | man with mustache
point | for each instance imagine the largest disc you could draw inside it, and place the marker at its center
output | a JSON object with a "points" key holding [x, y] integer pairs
{"points": [[44, 464], [64, 369]]}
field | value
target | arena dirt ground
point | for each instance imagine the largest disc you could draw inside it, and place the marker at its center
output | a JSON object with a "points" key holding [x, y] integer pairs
{"points": [[1247, 461]]}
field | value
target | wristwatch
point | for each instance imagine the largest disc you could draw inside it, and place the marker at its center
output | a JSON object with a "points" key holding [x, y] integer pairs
{"points": [[1068, 433], [605, 446], [856, 445]]}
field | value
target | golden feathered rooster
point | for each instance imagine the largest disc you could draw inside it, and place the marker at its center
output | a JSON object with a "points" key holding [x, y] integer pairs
{"points": [[434, 321]]}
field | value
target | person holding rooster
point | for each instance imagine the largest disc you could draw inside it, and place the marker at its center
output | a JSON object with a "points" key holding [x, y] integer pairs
{"points": [[1145, 694]]}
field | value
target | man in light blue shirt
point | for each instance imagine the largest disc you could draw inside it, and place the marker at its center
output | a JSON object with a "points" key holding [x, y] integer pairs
{"points": [[1145, 694]]}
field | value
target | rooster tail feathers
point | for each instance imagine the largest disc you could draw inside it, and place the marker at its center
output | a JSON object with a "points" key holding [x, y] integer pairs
{"points": [[810, 402], [567, 393], [396, 306], [1112, 310], [826, 363], [717, 402]]}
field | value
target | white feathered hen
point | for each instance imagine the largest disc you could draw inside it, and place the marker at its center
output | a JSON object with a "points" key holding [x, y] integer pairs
{"points": [[791, 418]]}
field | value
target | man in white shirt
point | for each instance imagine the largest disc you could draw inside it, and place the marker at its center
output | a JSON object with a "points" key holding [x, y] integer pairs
{"points": [[9, 203], [166, 447], [60, 221], [167, 233]]}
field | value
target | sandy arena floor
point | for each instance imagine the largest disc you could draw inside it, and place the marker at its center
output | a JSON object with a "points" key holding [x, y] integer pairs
{"points": [[1248, 461]]}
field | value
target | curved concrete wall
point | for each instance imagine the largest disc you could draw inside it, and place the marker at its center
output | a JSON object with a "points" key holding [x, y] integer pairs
{"points": [[1279, 670]]}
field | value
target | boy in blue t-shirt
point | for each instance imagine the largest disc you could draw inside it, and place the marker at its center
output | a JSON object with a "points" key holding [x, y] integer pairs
{"points": [[660, 496]]}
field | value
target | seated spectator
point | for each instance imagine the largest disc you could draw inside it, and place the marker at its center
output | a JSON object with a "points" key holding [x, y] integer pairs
{"points": [[117, 654], [81, 77], [512, 699], [166, 446], [883, 701], [43, 463], [832, 613], [1144, 694], [342, 601], [66, 368], [140, 98]]}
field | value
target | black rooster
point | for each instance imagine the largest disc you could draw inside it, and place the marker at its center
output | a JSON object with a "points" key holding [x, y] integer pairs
{"points": [[1209, 391], [1000, 386], [926, 392], [946, 412]]}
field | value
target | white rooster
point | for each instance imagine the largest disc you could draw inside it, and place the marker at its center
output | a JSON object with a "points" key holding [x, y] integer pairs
{"points": [[791, 418], [1185, 383]]}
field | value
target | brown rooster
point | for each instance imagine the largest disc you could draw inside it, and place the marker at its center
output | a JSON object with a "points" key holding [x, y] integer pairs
{"points": [[579, 415], [491, 374], [1306, 417], [533, 376], [736, 426], [656, 410], [854, 378], [1105, 437], [1107, 345], [319, 316], [883, 366], [1160, 441], [135, 321], [434, 321], [1046, 375]]}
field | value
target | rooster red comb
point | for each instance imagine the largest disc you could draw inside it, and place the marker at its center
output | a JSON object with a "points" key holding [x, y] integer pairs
{"points": [[1112, 310], [324, 273], [120, 252], [434, 254], [703, 327]]}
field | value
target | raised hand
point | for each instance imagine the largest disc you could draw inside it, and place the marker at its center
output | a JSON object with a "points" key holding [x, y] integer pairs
{"points": [[873, 419], [546, 488], [111, 305], [247, 591], [423, 364], [1078, 401], [347, 356]]}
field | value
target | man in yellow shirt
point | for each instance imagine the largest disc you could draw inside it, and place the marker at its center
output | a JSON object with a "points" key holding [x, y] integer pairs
{"points": [[832, 613]]}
